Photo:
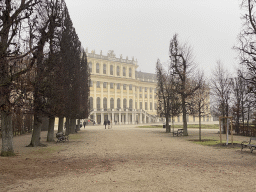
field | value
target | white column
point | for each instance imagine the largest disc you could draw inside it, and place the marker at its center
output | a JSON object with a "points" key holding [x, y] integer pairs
{"points": [[94, 96], [108, 98], [122, 96], [101, 95], [119, 118]]}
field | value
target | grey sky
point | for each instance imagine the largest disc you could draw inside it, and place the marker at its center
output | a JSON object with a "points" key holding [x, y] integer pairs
{"points": [[144, 28]]}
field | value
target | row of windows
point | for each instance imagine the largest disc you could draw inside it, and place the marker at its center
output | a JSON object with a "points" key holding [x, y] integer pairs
{"points": [[119, 104], [111, 69], [118, 86]]}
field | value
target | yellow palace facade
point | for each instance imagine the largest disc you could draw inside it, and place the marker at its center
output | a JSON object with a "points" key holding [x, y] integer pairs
{"points": [[118, 92]]}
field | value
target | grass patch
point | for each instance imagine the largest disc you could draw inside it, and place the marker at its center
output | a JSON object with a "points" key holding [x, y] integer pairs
{"points": [[213, 142], [190, 126], [150, 126]]}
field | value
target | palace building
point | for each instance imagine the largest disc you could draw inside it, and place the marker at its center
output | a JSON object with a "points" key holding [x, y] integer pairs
{"points": [[118, 92]]}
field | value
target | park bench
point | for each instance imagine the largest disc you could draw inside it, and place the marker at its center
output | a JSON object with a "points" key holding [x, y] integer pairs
{"points": [[61, 137], [249, 144], [178, 133]]}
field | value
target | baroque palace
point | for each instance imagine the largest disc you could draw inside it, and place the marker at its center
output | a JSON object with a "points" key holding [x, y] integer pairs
{"points": [[118, 92], [123, 95]]}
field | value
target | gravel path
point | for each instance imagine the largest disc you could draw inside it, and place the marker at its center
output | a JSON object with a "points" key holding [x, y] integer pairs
{"points": [[126, 158]]}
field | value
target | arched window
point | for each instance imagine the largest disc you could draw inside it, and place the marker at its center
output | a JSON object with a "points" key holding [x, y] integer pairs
{"points": [[124, 71], [117, 71], [124, 103], [91, 103], [104, 69], [105, 105], [90, 67], [130, 104], [97, 68], [111, 70], [130, 72], [111, 103], [118, 104], [98, 103]]}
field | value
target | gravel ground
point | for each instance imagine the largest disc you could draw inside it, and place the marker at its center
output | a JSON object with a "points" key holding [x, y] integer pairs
{"points": [[126, 158]]}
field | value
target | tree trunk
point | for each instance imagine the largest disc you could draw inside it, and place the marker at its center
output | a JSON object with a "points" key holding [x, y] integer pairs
{"points": [[50, 134], [7, 134], [199, 124], [72, 126], [167, 127], [35, 140], [67, 123], [60, 125], [185, 126]]}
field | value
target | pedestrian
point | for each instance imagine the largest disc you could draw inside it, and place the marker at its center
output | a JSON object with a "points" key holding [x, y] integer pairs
{"points": [[93, 122], [84, 124], [105, 123], [108, 124]]}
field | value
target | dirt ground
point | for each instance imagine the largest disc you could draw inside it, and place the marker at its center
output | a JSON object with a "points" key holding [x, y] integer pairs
{"points": [[126, 158]]}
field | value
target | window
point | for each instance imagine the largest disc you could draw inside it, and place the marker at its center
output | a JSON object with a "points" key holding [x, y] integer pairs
{"points": [[117, 71], [146, 105], [135, 105], [104, 69], [105, 85], [130, 104], [111, 85], [90, 67], [150, 96], [124, 86], [146, 96], [140, 105], [130, 72], [150, 89], [98, 84], [118, 85], [124, 103], [91, 103], [111, 103], [97, 68], [130, 87], [140, 89], [91, 83], [146, 89], [118, 103], [140, 95], [111, 70], [105, 101], [124, 71], [150, 105], [98, 103]]}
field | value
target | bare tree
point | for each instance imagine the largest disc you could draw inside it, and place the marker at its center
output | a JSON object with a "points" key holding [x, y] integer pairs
{"points": [[182, 63], [15, 17], [168, 101], [221, 90], [247, 43], [200, 100]]}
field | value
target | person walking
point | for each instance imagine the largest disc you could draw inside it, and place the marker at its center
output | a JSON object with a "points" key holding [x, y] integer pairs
{"points": [[84, 124], [105, 123]]}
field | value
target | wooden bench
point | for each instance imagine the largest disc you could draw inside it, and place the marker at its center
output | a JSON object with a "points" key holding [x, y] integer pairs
{"points": [[249, 144], [178, 133]]}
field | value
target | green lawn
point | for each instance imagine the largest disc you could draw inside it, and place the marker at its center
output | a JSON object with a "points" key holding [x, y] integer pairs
{"points": [[193, 126]]}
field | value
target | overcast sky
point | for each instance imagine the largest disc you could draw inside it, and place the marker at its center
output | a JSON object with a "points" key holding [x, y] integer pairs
{"points": [[144, 28]]}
